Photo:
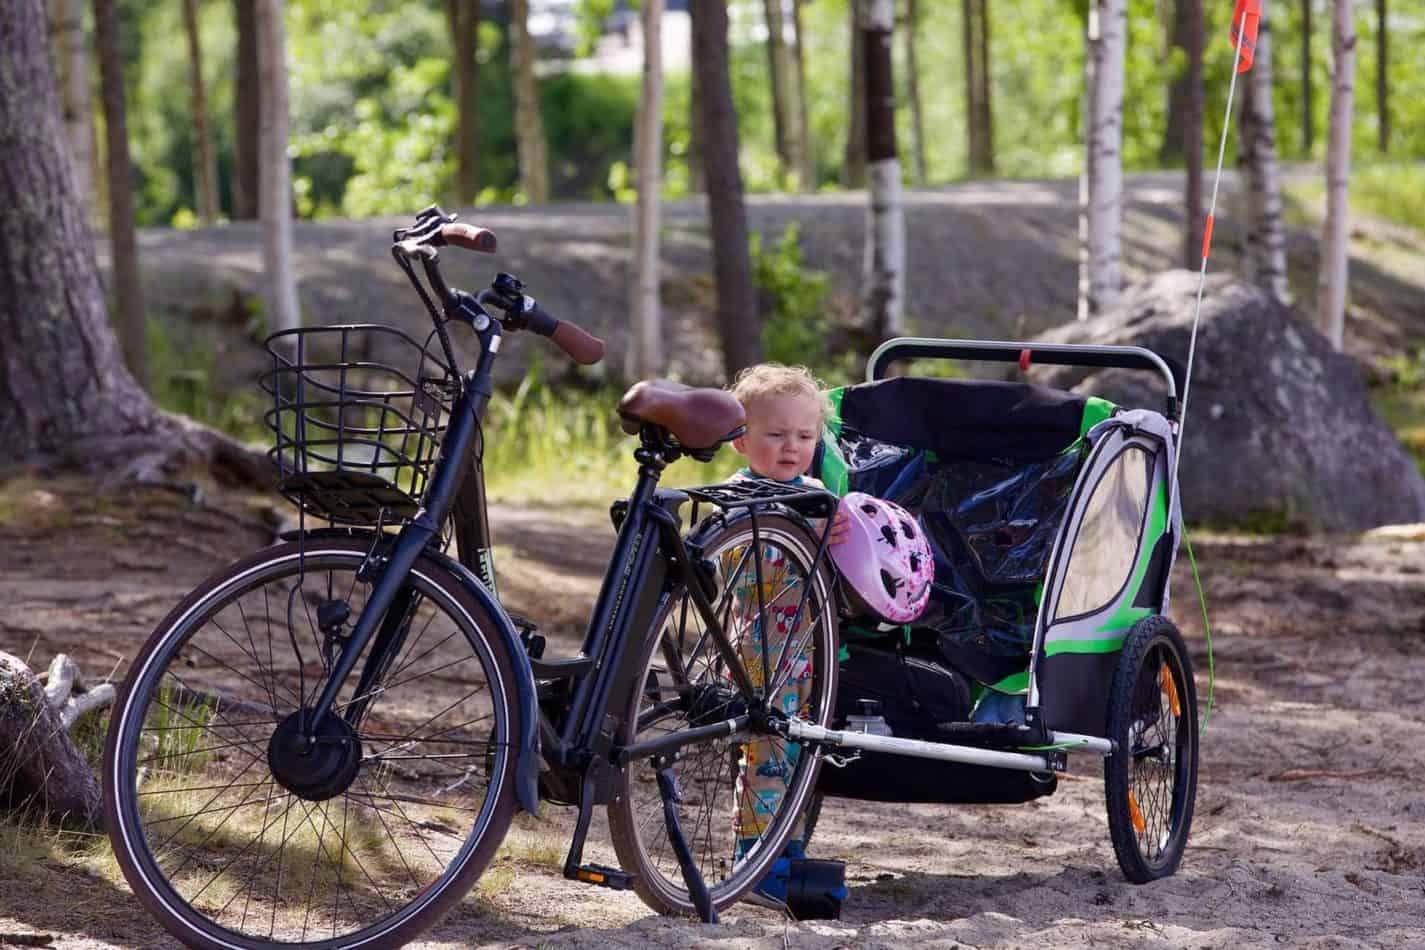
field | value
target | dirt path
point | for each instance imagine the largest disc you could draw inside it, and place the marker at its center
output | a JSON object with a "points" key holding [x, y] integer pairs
{"points": [[1308, 829]]}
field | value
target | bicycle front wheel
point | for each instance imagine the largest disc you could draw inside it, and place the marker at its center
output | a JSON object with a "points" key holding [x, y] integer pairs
{"points": [[235, 832], [741, 797]]}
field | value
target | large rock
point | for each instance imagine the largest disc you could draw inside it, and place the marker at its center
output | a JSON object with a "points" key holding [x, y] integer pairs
{"points": [[1278, 429]]}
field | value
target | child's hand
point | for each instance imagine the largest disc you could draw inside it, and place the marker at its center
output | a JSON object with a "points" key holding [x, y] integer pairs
{"points": [[840, 527]]}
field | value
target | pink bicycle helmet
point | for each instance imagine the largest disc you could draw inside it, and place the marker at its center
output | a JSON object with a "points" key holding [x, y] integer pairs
{"points": [[884, 558]]}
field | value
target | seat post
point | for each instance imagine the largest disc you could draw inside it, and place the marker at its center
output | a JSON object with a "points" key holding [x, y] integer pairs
{"points": [[654, 453]]}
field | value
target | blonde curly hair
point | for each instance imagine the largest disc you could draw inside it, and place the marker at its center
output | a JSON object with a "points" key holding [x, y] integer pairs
{"points": [[775, 379]]}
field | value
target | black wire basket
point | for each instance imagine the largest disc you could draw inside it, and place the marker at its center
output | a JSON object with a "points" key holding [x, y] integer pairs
{"points": [[356, 435]]}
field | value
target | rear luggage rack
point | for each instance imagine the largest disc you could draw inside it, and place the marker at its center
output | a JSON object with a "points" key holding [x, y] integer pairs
{"points": [[755, 493]]}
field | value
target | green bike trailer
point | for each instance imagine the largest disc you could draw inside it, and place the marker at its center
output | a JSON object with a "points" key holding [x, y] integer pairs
{"points": [[1054, 523]]}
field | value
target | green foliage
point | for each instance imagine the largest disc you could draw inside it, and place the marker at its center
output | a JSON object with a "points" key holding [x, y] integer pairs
{"points": [[794, 324], [373, 118]]}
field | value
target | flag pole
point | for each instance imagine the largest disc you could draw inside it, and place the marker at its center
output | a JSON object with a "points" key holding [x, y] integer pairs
{"points": [[1246, 18]]}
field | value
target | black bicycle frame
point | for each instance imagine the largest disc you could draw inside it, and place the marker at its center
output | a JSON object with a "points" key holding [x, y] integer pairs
{"points": [[634, 588]]}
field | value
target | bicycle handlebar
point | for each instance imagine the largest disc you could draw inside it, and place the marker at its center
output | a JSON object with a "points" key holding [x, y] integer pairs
{"points": [[434, 228], [469, 237]]}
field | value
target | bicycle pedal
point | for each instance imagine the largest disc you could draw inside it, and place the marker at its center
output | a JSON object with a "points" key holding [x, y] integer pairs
{"points": [[597, 874]]}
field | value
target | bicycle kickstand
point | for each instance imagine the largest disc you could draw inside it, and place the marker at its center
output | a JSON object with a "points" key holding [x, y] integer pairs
{"points": [[697, 889]]}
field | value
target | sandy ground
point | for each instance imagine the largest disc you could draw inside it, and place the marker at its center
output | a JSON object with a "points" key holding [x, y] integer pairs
{"points": [[1308, 829]]}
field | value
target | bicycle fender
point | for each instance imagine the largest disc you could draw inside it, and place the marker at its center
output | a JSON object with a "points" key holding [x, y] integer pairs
{"points": [[527, 764]]}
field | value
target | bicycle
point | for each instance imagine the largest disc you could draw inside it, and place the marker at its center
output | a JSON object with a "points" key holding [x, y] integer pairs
{"points": [[296, 758]]}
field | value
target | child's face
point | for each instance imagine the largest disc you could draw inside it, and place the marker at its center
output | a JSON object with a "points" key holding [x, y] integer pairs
{"points": [[782, 432]]}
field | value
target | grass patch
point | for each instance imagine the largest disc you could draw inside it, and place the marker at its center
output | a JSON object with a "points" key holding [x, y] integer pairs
{"points": [[566, 446], [1403, 409], [1391, 192]]}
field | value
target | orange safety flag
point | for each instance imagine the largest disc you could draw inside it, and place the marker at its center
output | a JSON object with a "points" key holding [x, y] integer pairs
{"points": [[1244, 35]]}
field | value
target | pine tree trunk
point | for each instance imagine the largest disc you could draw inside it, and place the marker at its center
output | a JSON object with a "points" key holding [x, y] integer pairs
{"points": [[65, 396], [975, 15], [853, 171], [738, 320], [1331, 315], [275, 172], [529, 121], [780, 79], [912, 85], [247, 117], [72, 59], [1265, 251], [697, 174], [1174, 145], [645, 355], [205, 164], [806, 174], [883, 307], [972, 109], [1101, 187], [62, 380], [1308, 122], [462, 18], [985, 117], [123, 242], [1192, 138], [1382, 85]]}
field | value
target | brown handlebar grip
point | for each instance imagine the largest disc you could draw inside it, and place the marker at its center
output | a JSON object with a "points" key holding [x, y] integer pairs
{"points": [[469, 237], [581, 347]]}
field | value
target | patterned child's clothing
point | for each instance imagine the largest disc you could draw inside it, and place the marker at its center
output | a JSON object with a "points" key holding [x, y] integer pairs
{"points": [[766, 765]]}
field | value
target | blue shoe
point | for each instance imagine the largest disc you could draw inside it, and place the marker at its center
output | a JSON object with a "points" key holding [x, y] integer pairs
{"points": [[774, 883]]}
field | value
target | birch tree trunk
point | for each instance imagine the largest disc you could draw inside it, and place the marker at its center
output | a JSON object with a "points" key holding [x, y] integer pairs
{"points": [[247, 118], [279, 296], [1382, 85], [1308, 121], [779, 73], [853, 171], [65, 396], [72, 59], [806, 173], [646, 353], [1264, 257], [1331, 314], [884, 303], [738, 320], [462, 18], [912, 86], [1101, 186], [205, 160], [123, 243], [529, 121]]}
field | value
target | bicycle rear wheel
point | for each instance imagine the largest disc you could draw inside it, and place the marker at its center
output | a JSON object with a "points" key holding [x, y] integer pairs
{"points": [[742, 796], [233, 836]]}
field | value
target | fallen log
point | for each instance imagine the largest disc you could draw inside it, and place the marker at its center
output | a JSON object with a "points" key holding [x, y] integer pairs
{"points": [[41, 768]]}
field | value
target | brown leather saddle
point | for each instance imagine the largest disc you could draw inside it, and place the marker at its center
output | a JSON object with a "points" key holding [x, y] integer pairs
{"points": [[699, 419]]}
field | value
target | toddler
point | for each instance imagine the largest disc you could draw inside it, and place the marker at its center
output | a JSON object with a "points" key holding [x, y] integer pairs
{"points": [[786, 410]]}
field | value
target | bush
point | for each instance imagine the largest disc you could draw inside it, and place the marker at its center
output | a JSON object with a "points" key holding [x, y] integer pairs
{"points": [[793, 299]]}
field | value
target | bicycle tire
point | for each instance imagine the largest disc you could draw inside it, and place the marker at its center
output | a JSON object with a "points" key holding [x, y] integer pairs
{"points": [[1150, 783], [635, 812], [181, 692]]}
